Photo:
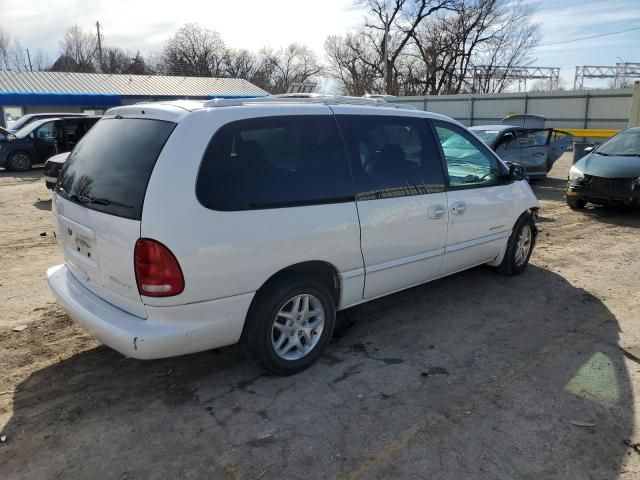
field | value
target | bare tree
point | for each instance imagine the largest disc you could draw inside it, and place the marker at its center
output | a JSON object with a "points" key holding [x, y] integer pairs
{"points": [[18, 57], [353, 64], [249, 66], [40, 61], [5, 45], [293, 64], [193, 51], [77, 51], [435, 47], [116, 60], [508, 44], [390, 27], [14, 57]]}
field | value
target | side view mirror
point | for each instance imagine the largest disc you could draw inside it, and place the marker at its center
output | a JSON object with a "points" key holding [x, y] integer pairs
{"points": [[517, 172], [589, 149]]}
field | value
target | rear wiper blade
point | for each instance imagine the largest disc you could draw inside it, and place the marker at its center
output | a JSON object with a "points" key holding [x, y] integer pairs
{"points": [[99, 201]]}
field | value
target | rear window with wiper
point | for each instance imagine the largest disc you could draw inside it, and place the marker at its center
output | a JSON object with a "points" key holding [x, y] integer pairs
{"points": [[110, 167]]}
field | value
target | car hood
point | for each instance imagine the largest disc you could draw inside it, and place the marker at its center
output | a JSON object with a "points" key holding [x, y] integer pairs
{"points": [[59, 158], [16, 141], [611, 167]]}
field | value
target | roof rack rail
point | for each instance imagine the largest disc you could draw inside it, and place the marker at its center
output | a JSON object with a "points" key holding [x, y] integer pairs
{"points": [[305, 98]]}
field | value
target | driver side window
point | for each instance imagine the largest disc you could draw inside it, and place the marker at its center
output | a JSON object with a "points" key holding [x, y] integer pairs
{"points": [[508, 142], [45, 130], [468, 164]]}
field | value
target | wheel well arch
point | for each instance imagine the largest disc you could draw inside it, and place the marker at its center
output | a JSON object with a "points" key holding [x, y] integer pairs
{"points": [[22, 149], [319, 270]]}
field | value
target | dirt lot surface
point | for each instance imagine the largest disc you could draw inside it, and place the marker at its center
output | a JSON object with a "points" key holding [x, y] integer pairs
{"points": [[472, 376]]}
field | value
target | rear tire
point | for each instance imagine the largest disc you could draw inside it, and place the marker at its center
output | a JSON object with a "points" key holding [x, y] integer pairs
{"points": [[519, 247], [281, 334], [19, 162], [576, 203]]}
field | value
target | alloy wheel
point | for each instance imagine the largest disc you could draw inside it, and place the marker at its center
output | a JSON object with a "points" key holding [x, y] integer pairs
{"points": [[523, 245], [297, 327], [20, 162]]}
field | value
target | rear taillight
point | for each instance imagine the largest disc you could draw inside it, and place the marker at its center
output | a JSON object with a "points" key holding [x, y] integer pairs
{"points": [[158, 273]]}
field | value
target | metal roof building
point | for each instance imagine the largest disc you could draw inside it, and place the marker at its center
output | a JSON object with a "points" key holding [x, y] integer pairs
{"points": [[39, 92]]}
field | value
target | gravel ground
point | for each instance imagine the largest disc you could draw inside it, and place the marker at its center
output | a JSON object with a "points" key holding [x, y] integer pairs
{"points": [[472, 376]]}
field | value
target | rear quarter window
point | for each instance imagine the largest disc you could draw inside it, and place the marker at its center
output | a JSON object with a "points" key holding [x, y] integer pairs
{"points": [[110, 167], [272, 162]]}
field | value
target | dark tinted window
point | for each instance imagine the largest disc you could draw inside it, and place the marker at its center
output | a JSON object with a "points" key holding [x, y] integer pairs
{"points": [[46, 130], [533, 138], [274, 161], [392, 156], [469, 162], [110, 167], [74, 130]]}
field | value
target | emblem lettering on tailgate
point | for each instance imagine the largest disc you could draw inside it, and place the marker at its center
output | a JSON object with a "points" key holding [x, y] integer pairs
{"points": [[119, 282]]}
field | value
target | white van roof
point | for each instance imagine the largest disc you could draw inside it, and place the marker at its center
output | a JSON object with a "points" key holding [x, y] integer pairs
{"points": [[175, 110]]}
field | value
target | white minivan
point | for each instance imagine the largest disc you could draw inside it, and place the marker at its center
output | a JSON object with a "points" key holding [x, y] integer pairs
{"points": [[187, 226]]}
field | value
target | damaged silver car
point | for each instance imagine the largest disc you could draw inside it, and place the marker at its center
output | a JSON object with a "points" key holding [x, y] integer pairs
{"points": [[523, 139]]}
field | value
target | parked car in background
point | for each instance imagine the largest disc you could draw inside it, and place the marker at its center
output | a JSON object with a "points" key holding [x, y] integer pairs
{"points": [[608, 174], [187, 226], [525, 141], [39, 140], [52, 169], [25, 120]]}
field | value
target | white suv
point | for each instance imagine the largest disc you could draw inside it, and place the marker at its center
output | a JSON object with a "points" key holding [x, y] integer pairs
{"points": [[188, 226]]}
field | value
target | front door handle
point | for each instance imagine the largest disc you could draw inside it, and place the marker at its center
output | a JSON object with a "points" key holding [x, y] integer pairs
{"points": [[437, 211], [458, 208]]}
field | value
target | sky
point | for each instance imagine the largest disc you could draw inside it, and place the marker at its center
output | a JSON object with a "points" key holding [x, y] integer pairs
{"points": [[144, 25]]}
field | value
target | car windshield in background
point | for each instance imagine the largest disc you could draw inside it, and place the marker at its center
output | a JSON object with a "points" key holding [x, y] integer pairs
{"points": [[20, 123], [27, 129], [624, 144], [110, 167], [487, 136]]}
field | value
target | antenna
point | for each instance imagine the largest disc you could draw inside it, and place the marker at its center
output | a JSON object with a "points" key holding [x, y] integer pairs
{"points": [[99, 44], [29, 58]]}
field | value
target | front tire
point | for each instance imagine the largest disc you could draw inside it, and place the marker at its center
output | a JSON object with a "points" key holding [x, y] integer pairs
{"points": [[19, 162], [519, 247], [289, 324], [576, 203]]}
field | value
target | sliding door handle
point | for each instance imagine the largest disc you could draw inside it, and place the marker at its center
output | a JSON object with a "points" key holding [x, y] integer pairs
{"points": [[437, 211], [458, 208]]}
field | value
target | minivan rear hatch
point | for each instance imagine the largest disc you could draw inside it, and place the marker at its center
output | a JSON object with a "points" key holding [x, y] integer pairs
{"points": [[98, 205]]}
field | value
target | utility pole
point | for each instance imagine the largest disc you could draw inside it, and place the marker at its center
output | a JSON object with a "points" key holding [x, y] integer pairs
{"points": [[385, 54], [99, 44], [29, 58]]}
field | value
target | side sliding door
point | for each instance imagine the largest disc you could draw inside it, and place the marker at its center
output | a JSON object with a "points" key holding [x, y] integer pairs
{"points": [[400, 196]]}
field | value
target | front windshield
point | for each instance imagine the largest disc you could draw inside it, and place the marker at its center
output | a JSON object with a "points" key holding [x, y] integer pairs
{"points": [[487, 136], [18, 124], [624, 144]]}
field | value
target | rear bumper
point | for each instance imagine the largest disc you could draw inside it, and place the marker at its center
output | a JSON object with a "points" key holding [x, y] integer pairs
{"points": [[167, 332]]}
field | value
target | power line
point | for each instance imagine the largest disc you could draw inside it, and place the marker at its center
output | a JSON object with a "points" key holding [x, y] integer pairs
{"points": [[590, 37]]}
